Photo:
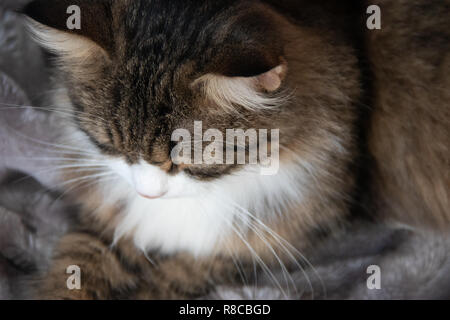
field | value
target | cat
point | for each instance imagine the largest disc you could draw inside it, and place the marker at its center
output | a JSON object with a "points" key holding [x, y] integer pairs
{"points": [[137, 71]]}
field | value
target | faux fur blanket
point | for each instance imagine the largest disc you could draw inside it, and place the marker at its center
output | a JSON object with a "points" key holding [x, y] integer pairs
{"points": [[32, 217]]}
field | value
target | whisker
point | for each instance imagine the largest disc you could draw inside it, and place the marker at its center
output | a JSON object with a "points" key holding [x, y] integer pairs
{"points": [[68, 182], [55, 145], [286, 273], [75, 160], [285, 245], [255, 229], [82, 184], [55, 110], [238, 266], [82, 170], [263, 265]]}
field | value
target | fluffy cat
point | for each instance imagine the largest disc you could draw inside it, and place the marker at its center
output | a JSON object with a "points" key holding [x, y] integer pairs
{"points": [[138, 70]]}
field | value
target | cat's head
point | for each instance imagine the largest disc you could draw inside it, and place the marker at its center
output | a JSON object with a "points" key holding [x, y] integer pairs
{"points": [[136, 71]]}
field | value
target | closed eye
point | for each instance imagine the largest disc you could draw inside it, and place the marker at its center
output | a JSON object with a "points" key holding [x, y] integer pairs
{"points": [[105, 148]]}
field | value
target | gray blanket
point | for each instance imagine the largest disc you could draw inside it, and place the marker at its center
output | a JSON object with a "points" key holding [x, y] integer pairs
{"points": [[32, 216]]}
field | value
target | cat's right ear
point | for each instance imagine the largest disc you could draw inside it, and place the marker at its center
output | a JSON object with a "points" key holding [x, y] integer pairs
{"points": [[72, 28]]}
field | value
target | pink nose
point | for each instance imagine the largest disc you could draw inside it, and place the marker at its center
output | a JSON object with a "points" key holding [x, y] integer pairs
{"points": [[152, 197], [149, 181]]}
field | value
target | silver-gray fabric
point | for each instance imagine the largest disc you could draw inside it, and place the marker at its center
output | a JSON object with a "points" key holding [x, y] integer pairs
{"points": [[31, 217], [20, 58]]}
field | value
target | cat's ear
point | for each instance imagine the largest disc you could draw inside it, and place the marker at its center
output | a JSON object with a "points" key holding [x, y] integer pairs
{"points": [[253, 48], [249, 61], [252, 92], [71, 27], [265, 74]]}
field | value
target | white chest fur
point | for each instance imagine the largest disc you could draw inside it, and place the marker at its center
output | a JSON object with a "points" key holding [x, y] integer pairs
{"points": [[216, 209]]}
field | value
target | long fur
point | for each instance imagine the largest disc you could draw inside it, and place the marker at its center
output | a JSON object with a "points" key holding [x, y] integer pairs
{"points": [[230, 93]]}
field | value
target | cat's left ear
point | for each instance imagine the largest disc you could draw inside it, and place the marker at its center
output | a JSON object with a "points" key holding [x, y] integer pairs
{"points": [[253, 48], [248, 63], [71, 26]]}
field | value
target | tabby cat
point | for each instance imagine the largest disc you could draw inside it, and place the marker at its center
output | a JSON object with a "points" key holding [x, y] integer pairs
{"points": [[137, 70]]}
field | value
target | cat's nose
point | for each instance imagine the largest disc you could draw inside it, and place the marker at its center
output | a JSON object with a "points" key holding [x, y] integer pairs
{"points": [[149, 181], [151, 197]]}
